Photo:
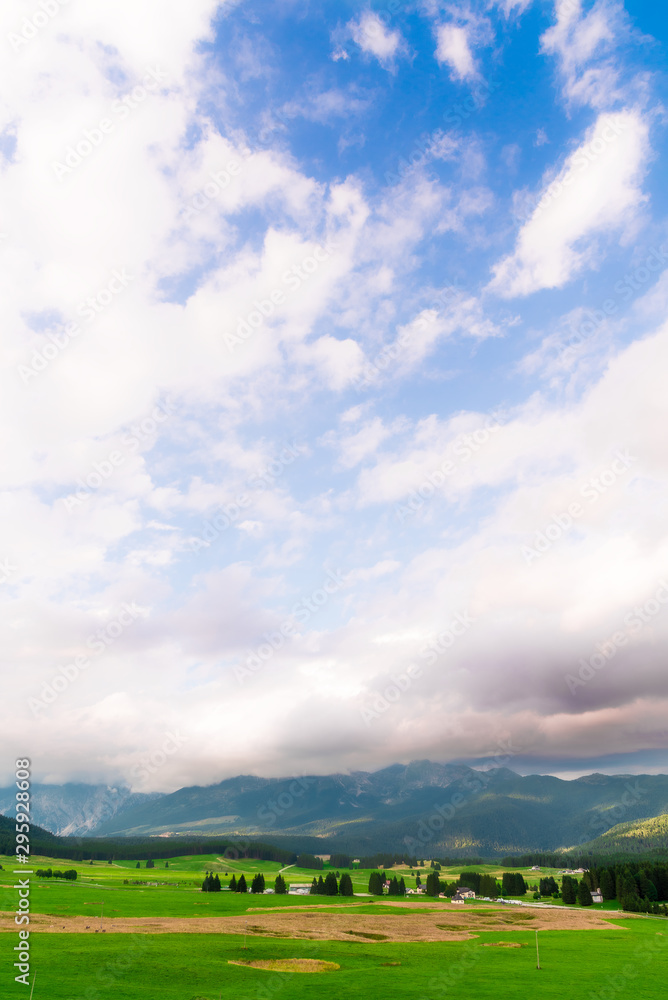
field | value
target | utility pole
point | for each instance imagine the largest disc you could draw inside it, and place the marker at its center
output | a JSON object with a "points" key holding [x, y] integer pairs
{"points": [[33, 985], [537, 955], [101, 915]]}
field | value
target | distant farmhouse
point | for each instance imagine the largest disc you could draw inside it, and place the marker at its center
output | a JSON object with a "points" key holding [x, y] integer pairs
{"points": [[463, 893]]}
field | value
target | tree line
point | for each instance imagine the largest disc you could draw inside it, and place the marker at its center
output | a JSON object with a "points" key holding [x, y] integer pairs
{"points": [[70, 873], [331, 886]]}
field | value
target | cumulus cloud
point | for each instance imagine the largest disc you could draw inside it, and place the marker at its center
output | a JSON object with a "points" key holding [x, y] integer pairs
{"points": [[231, 424], [454, 49], [579, 41], [369, 32], [596, 193]]}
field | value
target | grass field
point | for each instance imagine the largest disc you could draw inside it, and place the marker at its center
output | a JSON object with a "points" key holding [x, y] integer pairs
{"points": [[495, 957]]}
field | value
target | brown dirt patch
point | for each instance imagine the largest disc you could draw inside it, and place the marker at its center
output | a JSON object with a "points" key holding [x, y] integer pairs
{"points": [[503, 944], [440, 925], [290, 965]]}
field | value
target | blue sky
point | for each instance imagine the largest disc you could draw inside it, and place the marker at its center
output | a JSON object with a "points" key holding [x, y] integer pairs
{"points": [[333, 396]]}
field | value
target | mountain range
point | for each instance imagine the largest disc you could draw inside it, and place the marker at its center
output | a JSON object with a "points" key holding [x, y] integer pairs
{"points": [[418, 808]]}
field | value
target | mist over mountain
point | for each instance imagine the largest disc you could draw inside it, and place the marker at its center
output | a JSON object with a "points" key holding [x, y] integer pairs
{"points": [[422, 808], [74, 809]]}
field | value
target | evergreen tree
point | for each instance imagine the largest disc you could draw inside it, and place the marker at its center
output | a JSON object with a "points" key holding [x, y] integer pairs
{"points": [[314, 887], [584, 894], [331, 887], [241, 884], [138, 865], [646, 886], [660, 880], [402, 887], [487, 886], [568, 889], [321, 886], [233, 884], [418, 881], [257, 885], [216, 884], [376, 881], [280, 888], [433, 884], [520, 885], [166, 864], [346, 885], [607, 884], [547, 886]]}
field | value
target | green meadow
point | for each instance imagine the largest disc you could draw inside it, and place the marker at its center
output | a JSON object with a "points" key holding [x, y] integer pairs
{"points": [[574, 965], [628, 961]]}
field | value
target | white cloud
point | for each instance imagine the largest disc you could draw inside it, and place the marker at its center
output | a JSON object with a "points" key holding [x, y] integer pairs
{"points": [[369, 32], [454, 49], [577, 39], [596, 193]]}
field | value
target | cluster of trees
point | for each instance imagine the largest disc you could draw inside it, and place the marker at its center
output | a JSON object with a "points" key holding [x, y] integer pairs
{"points": [[330, 885], [638, 887], [310, 861], [48, 873], [481, 883], [211, 883], [573, 891], [513, 884], [548, 887], [341, 861], [258, 884], [377, 880]]}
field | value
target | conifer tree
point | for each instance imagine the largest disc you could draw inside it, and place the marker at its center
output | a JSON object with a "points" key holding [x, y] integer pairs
{"points": [[568, 890], [321, 886], [280, 888], [233, 884], [314, 887], [376, 881], [402, 887], [607, 885], [346, 885], [584, 894], [241, 884], [216, 884], [331, 887], [646, 886]]}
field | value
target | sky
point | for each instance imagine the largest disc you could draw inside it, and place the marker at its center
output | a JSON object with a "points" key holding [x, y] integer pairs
{"points": [[333, 387]]}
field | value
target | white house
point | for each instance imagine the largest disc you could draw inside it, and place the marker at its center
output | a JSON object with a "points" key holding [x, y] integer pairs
{"points": [[465, 892], [458, 899], [597, 896]]}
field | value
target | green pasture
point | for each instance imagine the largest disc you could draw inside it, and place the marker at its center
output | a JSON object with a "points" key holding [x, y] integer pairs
{"points": [[178, 894], [627, 963]]}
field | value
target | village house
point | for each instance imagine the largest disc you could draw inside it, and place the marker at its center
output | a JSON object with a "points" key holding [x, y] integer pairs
{"points": [[465, 892], [458, 899]]}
